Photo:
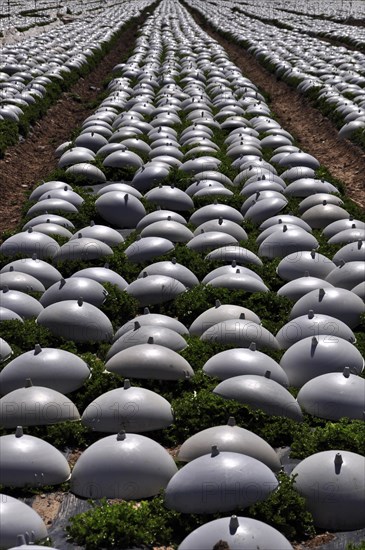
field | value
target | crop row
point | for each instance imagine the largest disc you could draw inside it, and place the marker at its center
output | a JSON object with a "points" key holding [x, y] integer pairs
{"points": [[183, 194], [330, 75], [34, 72]]}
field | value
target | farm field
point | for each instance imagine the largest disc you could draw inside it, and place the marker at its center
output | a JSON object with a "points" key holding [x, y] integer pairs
{"points": [[182, 275]]}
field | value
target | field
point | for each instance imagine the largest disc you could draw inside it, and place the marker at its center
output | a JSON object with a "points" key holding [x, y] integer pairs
{"points": [[205, 161]]}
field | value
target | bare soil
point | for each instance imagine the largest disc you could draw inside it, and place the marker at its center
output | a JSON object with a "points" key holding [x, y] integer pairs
{"points": [[315, 542], [47, 505]]}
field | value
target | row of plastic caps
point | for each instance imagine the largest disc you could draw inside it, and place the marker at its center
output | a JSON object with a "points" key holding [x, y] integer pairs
{"points": [[115, 467], [330, 70], [29, 67], [148, 346]]}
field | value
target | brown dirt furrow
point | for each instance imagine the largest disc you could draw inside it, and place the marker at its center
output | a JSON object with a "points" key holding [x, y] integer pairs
{"points": [[314, 132], [33, 158], [47, 505]]}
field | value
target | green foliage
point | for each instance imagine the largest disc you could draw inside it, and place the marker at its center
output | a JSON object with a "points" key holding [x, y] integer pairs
{"points": [[99, 382], [70, 434], [119, 306], [355, 546], [121, 525], [285, 510], [271, 309], [191, 259], [346, 434], [200, 409], [125, 524], [8, 135], [24, 336]]}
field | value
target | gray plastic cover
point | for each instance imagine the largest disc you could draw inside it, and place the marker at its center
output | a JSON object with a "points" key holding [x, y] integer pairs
{"points": [[351, 252], [41, 270], [127, 466], [19, 302], [16, 280], [230, 270], [319, 216], [336, 227], [231, 438], [171, 268], [238, 280], [52, 205], [225, 226], [35, 406], [264, 209], [294, 290], [17, 518], [102, 275], [336, 302], [150, 361], [215, 211], [141, 334], [30, 242], [347, 275], [197, 487], [27, 461], [82, 248], [318, 198], [102, 233], [170, 197], [297, 264], [334, 395], [309, 187], [313, 324], [300, 159], [285, 218], [120, 209], [128, 408], [234, 253], [239, 361], [338, 502], [348, 236], [119, 186], [9, 315], [64, 194], [147, 248], [160, 215], [157, 319], [91, 173], [240, 533], [53, 368], [287, 241], [155, 289], [53, 219], [76, 320], [5, 350], [52, 229], [240, 333], [168, 229], [359, 290], [273, 228], [206, 241], [319, 355], [260, 392], [48, 186], [72, 288]]}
